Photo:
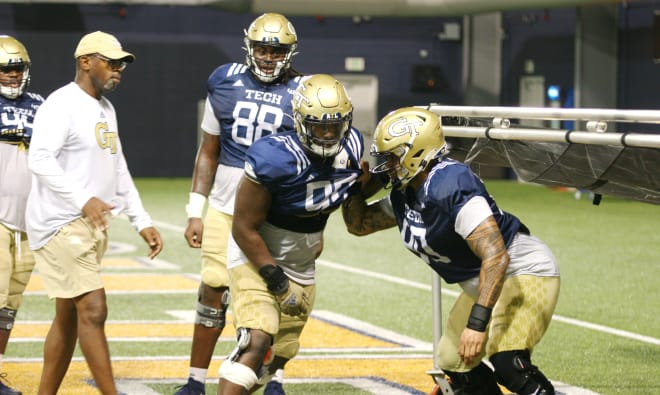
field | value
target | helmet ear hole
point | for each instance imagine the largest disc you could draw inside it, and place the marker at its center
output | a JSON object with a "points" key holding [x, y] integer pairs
{"points": [[418, 154]]}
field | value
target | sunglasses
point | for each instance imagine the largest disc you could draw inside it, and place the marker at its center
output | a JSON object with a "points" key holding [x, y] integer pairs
{"points": [[114, 64]]}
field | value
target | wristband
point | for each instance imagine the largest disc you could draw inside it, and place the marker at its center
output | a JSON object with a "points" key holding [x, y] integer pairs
{"points": [[479, 317], [277, 281], [195, 206]]}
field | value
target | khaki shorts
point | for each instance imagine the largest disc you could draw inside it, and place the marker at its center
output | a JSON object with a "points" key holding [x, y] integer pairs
{"points": [[70, 263], [254, 307], [15, 268], [217, 228], [520, 318]]}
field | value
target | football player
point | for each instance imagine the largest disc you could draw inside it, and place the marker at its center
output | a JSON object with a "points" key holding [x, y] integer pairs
{"points": [[292, 182], [244, 103], [17, 109], [509, 278]]}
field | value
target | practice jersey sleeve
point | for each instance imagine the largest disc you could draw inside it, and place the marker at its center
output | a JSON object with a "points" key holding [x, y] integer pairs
{"points": [[131, 203], [272, 161], [459, 193], [210, 123], [451, 186], [51, 127], [474, 212]]}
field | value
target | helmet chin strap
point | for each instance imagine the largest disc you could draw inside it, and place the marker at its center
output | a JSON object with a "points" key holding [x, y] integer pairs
{"points": [[277, 73], [280, 66], [11, 92], [325, 152]]}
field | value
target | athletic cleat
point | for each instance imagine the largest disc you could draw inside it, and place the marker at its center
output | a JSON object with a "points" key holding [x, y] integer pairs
{"points": [[5, 389], [274, 388], [192, 387]]}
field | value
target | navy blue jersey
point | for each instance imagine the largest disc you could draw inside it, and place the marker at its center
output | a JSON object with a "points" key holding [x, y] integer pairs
{"points": [[247, 109], [426, 219], [304, 192], [17, 116]]}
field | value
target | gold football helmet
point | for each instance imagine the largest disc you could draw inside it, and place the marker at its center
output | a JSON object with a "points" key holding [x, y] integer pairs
{"points": [[407, 140], [272, 30], [323, 113], [15, 65]]}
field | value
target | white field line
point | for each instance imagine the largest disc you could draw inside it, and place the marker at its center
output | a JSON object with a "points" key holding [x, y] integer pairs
{"points": [[368, 384], [132, 292], [427, 287], [401, 343]]}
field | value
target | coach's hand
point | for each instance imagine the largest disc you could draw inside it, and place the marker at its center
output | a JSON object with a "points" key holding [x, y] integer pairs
{"points": [[153, 239], [97, 212]]}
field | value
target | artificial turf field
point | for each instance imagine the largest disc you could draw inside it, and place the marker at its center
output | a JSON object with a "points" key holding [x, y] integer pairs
{"points": [[371, 330]]}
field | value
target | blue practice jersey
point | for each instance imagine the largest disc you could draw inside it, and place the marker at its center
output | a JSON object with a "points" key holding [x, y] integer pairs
{"points": [[17, 116], [16, 119], [247, 109], [426, 219], [304, 192]]}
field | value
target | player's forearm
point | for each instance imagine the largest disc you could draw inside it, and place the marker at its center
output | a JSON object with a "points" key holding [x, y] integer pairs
{"points": [[371, 186], [254, 248], [491, 279], [486, 242], [362, 219], [204, 175], [352, 211]]}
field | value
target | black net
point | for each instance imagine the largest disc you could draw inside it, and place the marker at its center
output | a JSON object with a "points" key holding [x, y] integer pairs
{"points": [[626, 172]]}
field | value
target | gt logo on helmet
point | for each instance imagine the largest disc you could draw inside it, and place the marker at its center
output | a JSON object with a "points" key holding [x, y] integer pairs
{"points": [[403, 126], [299, 98]]}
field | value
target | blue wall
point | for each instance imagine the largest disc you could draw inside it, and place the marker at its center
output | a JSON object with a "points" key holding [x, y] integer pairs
{"points": [[177, 47]]}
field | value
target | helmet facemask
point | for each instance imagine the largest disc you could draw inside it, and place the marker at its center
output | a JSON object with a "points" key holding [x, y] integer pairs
{"points": [[280, 66], [389, 163], [14, 68], [324, 137], [274, 34]]}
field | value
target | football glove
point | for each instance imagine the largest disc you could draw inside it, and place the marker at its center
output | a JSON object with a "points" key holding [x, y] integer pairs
{"points": [[293, 301], [289, 294]]}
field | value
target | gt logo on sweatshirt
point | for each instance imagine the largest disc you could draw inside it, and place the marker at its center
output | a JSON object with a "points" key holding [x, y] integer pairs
{"points": [[106, 139]]}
